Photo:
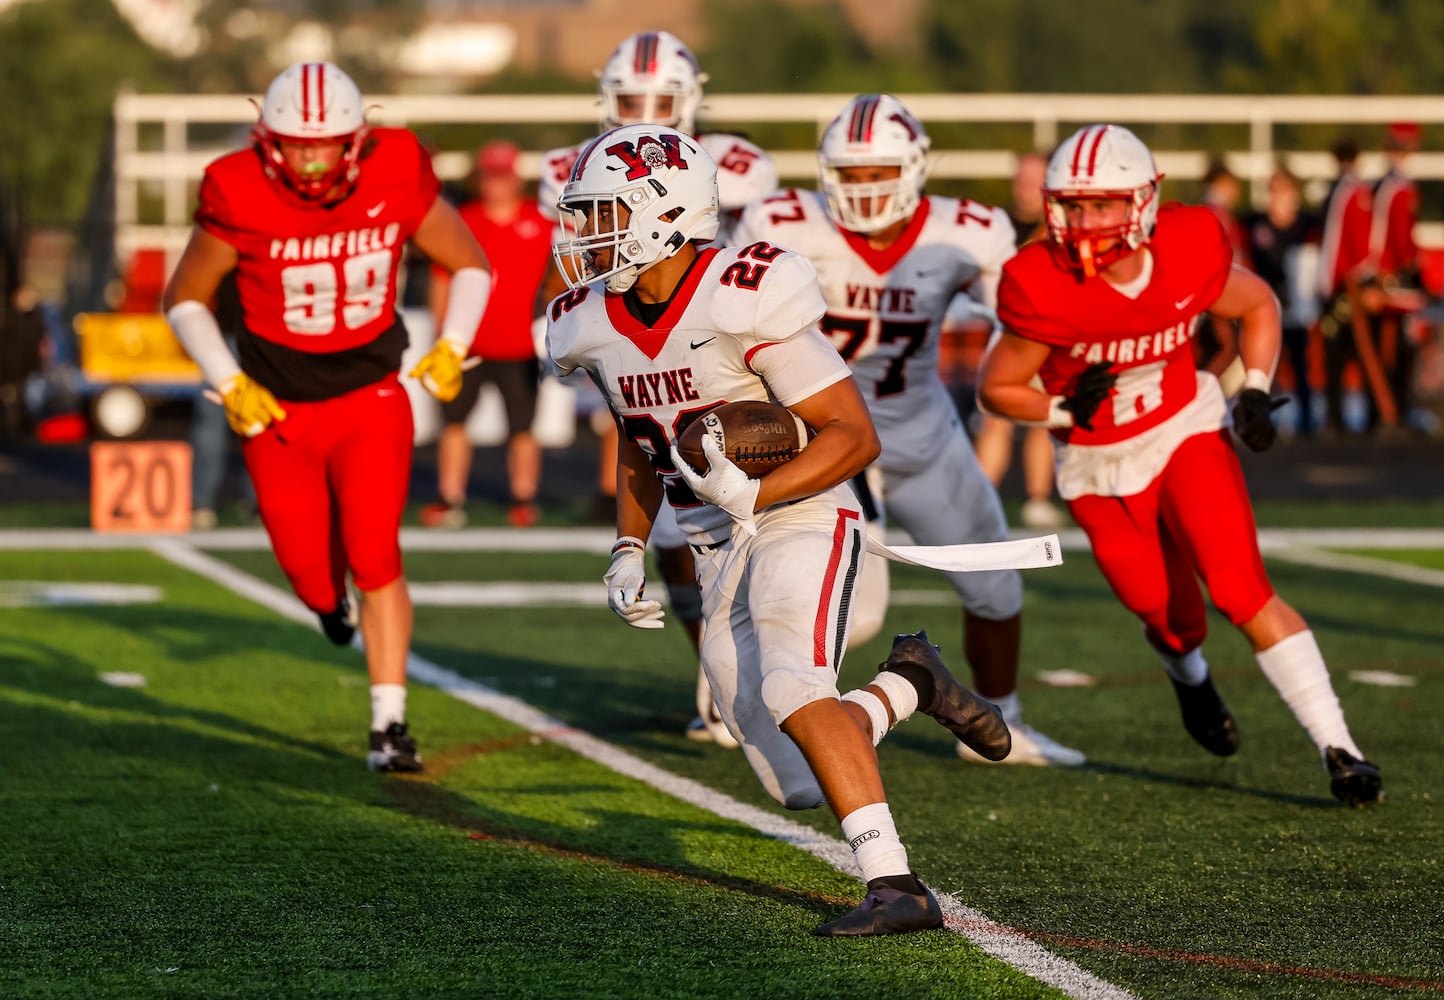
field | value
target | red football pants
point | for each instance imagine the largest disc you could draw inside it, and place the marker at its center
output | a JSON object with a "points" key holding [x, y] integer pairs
{"points": [[331, 482], [1193, 520]]}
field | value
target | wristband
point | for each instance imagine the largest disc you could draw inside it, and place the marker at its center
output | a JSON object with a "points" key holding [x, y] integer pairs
{"points": [[1058, 417], [629, 542]]}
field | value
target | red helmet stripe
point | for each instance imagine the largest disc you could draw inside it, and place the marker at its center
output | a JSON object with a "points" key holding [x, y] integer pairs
{"points": [[1090, 140], [305, 92], [320, 92], [863, 112], [645, 63]]}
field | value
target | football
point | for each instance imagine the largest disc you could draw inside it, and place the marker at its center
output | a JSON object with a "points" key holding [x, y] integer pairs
{"points": [[755, 435]]}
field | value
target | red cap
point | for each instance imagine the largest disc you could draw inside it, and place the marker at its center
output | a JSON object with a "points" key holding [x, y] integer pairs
{"points": [[497, 157], [1403, 135]]}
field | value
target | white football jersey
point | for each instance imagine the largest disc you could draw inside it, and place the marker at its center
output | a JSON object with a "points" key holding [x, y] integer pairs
{"points": [[744, 174], [885, 308], [556, 168], [742, 325]]}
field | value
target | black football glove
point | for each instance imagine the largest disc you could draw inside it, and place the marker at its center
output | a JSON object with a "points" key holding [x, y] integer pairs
{"points": [[1253, 420], [1089, 392]]}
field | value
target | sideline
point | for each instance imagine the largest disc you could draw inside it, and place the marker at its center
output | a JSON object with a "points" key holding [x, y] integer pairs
{"points": [[1002, 942]]}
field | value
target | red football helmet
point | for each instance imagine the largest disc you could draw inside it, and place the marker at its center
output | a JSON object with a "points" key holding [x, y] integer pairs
{"points": [[312, 103], [1101, 161]]}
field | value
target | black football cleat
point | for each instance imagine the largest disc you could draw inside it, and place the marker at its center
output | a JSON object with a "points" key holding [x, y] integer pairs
{"points": [[972, 719], [393, 750], [339, 625], [886, 910], [1206, 717], [1354, 782]]}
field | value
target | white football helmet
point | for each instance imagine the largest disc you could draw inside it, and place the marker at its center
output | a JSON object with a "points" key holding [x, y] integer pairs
{"points": [[636, 196], [656, 67], [873, 130], [312, 102], [1101, 161]]}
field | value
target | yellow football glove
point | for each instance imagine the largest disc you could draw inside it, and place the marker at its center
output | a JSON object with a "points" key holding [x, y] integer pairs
{"points": [[440, 371], [250, 407]]}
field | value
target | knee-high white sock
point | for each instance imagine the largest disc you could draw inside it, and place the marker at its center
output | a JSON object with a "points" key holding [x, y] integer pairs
{"points": [[388, 705], [875, 844], [900, 694], [1296, 669]]}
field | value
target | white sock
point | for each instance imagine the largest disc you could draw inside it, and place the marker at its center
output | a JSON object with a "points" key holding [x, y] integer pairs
{"points": [[875, 843], [1010, 706], [388, 705], [1187, 668], [1296, 669]]}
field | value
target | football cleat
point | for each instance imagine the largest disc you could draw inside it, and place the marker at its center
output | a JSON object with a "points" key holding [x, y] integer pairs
{"points": [[443, 515], [972, 719], [393, 750], [1354, 782], [886, 910], [1206, 717], [1030, 747], [711, 729], [339, 625]]}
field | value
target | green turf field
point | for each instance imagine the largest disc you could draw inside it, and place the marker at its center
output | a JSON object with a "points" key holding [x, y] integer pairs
{"points": [[215, 832]]}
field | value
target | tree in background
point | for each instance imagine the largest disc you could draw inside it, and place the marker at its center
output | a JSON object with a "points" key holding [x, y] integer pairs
{"points": [[61, 63]]}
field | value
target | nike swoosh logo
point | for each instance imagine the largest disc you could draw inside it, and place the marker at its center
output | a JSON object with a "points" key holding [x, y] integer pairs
{"points": [[1183, 301], [701, 343], [373, 212]]}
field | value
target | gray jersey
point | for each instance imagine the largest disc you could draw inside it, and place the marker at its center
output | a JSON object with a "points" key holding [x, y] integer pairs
{"points": [[885, 308]]}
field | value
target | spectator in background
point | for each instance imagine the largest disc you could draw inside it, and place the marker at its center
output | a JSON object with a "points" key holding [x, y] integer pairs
{"points": [[1390, 282], [1215, 345], [517, 241], [1348, 215], [994, 439], [1274, 237]]}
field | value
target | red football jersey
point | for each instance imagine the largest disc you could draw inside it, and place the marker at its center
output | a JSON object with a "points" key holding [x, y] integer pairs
{"points": [[312, 278], [1148, 340], [519, 252]]}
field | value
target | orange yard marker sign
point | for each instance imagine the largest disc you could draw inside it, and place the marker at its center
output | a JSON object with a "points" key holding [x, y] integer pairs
{"points": [[140, 486]]}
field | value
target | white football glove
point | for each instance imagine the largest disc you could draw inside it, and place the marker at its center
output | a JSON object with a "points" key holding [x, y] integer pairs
{"points": [[625, 579], [724, 485]]}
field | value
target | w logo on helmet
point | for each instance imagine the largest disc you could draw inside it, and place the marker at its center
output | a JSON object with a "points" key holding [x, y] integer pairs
{"points": [[649, 154]]}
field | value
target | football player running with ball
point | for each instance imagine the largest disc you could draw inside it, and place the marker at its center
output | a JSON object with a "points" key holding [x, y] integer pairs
{"points": [[652, 78], [669, 328], [1103, 313], [312, 218], [890, 259]]}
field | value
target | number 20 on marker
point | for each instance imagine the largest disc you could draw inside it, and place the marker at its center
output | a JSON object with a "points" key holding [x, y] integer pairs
{"points": [[140, 486]]}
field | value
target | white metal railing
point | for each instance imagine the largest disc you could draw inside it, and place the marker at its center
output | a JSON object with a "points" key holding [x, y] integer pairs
{"points": [[174, 167]]}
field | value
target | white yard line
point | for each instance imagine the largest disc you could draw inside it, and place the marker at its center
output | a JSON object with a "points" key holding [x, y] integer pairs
{"points": [[1002, 942], [1360, 564], [599, 540]]}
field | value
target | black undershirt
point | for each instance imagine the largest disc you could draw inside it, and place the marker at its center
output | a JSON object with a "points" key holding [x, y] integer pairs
{"points": [[650, 313]]}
